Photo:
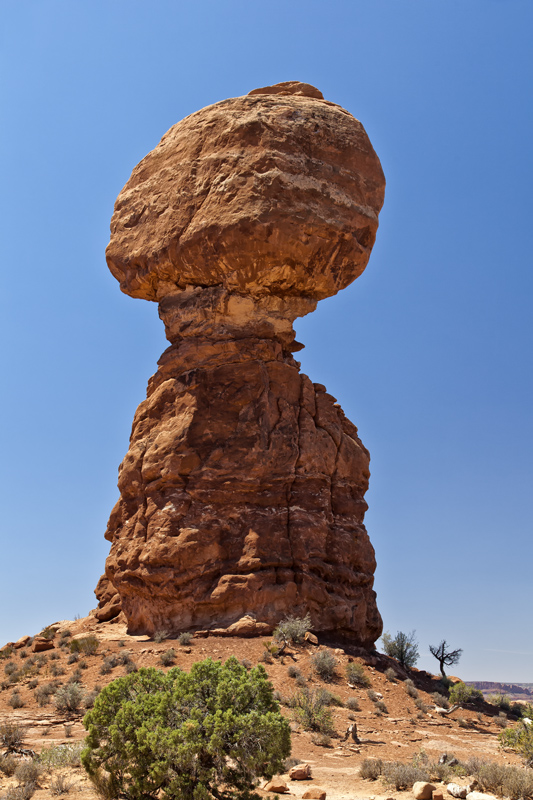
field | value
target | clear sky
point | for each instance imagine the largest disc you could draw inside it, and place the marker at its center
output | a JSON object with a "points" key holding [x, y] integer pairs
{"points": [[429, 352]]}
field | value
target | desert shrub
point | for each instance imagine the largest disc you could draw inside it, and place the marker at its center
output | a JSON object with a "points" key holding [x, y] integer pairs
{"points": [[440, 700], [185, 638], [8, 765], [321, 740], [131, 666], [520, 739], [371, 768], [419, 703], [462, 722], [121, 643], [293, 672], [73, 658], [353, 704], [390, 674], [68, 699], [109, 663], [324, 663], [500, 701], [54, 656], [402, 776], [23, 792], [293, 629], [33, 683], [461, 693], [161, 635], [246, 663], [380, 706], [403, 647], [184, 734], [328, 698], [62, 755], [300, 681], [266, 657], [410, 688], [43, 693], [48, 633], [167, 658], [23, 654], [372, 695], [88, 645], [355, 674], [16, 701], [10, 668], [501, 719], [61, 784], [90, 697], [82, 664], [75, 677], [56, 670], [309, 710], [28, 772]]}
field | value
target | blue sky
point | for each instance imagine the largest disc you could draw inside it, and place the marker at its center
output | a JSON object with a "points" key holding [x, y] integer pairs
{"points": [[429, 352]]}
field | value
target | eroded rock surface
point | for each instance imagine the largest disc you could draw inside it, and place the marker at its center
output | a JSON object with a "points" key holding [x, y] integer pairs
{"points": [[242, 492]]}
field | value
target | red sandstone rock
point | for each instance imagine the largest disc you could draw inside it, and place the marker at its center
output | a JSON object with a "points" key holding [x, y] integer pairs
{"points": [[301, 772], [242, 493], [40, 644]]}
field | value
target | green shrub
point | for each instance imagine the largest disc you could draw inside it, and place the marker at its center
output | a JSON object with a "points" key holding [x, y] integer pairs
{"points": [[293, 629], [461, 693], [403, 647], [310, 711], [186, 734], [49, 632], [520, 739], [355, 675], [500, 701], [324, 664], [88, 645], [62, 755]]}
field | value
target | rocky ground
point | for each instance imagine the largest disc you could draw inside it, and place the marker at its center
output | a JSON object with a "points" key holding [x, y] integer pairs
{"points": [[407, 726]]}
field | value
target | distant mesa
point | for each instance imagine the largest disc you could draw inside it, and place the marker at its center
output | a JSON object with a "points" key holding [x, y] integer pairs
{"points": [[242, 492]]}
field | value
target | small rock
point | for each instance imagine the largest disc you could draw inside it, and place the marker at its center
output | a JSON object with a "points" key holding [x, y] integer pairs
{"points": [[423, 790], [438, 795], [479, 796], [277, 786], [301, 772], [22, 642], [201, 634], [40, 644], [338, 651], [457, 791], [311, 638], [315, 793]]}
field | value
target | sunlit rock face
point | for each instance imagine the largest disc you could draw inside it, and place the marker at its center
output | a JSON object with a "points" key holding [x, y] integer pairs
{"points": [[242, 492]]}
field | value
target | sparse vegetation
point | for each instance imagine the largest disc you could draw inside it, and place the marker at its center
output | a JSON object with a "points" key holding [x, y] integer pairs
{"points": [[352, 703], [293, 672], [520, 739], [410, 688], [88, 645], [16, 701], [371, 769], [161, 635], [310, 711], [60, 756], [185, 638], [68, 699], [390, 674], [356, 675], [61, 784], [216, 724], [28, 772], [321, 740], [293, 629], [440, 700], [380, 706], [324, 664], [8, 765], [461, 693], [168, 657], [403, 647]]}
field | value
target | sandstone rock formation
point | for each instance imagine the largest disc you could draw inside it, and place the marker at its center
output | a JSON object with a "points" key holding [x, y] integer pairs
{"points": [[242, 492]]}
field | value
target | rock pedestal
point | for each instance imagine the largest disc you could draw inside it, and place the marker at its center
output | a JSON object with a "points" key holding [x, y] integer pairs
{"points": [[242, 492]]}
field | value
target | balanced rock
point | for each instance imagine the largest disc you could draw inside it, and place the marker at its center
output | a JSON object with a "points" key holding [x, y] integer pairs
{"points": [[242, 493]]}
